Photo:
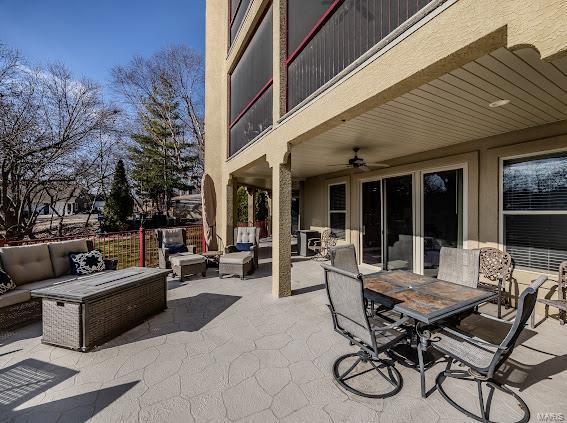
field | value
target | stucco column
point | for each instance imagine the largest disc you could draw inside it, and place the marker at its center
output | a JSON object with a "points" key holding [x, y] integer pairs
{"points": [[230, 198], [281, 226]]}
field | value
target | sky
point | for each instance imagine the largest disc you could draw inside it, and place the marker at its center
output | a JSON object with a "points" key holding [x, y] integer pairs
{"points": [[92, 36]]}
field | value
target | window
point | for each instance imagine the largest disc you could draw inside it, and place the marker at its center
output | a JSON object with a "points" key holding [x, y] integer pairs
{"points": [[251, 88], [534, 205], [337, 210]]}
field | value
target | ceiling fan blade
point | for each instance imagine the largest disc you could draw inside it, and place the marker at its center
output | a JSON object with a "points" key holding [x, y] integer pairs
{"points": [[342, 165], [364, 168], [377, 165]]}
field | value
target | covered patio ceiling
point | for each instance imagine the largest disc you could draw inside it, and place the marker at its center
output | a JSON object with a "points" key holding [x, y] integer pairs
{"points": [[450, 110]]}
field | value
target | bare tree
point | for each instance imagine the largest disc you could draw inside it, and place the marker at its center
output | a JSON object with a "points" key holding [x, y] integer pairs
{"points": [[180, 68], [46, 119]]}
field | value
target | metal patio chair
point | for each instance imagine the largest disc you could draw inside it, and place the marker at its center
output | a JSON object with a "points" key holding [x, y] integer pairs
{"points": [[561, 301], [482, 358], [459, 266], [496, 266], [322, 246], [374, 335], [344, 257]]}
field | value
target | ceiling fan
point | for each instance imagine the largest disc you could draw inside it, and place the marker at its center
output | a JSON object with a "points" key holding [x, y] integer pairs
{"points": [[359, 163]]}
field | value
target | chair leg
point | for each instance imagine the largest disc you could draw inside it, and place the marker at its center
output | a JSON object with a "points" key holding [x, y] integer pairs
{"points": [[485, 409], [421, 368], [394, 377], [499, 299]]}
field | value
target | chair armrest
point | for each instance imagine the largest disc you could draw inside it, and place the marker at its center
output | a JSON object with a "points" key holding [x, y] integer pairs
{"points": [[313, 241], [392, 325], [231, 249], [473, 340], [110, 264]]}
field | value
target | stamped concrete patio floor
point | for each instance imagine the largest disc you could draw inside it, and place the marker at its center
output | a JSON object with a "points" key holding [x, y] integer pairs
{"points": [[225, 350]]}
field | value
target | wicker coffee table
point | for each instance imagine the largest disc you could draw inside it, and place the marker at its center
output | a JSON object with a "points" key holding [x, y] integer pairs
{"points": [[90, 310]]}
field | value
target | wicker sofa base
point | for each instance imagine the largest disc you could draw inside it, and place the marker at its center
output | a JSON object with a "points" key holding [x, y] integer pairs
{"points": [[81, 326], [190, 269], [20, 314], [236, 269]]}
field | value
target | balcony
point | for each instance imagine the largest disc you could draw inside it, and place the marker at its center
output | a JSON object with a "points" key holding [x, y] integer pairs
{"points": [[323, 41]]}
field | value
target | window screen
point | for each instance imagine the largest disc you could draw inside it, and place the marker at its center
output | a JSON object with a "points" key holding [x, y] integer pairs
{"points": [[302, 17], [535, 210], [337, 210], [238, 11], [253, 70]]}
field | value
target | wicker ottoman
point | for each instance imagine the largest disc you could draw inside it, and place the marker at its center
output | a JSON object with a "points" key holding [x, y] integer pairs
{"points": [[241, 264], [188, 264]]}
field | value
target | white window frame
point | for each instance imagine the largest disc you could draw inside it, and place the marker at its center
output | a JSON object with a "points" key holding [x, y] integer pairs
{"points": [[502, 213], [345, 211]]}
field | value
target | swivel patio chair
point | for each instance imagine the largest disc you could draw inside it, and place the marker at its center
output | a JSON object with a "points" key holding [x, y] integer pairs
{"points": [[483, 359], [374, 335], [496, 266], [459, 266], [561, 301]]}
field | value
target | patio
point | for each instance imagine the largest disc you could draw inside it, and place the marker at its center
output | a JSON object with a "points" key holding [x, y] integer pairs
{"points": [[227, 350]]}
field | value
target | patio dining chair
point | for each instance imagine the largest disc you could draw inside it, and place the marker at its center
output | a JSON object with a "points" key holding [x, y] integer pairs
{"points": [[344, 257], [496, 266], [561, 302], [322, 246], [373, 335], [483, 359], [459, 266]]}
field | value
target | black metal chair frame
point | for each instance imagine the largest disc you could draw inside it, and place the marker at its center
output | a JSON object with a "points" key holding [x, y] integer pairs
{"points": [[367, 353], [501, 352]]}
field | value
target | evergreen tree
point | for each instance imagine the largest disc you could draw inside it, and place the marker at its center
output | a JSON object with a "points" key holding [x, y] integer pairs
{"points": [[119, 204], [160, 154], [242, 205]]}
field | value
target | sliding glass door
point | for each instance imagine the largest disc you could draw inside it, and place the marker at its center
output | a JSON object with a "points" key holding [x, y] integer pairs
{"points": [[372, 223], [398, 223], [442, 215]]}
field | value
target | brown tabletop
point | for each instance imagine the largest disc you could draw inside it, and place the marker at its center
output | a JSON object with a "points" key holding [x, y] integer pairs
{"points": [[424, 298]]}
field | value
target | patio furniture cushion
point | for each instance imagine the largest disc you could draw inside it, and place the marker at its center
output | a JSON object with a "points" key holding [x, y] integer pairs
{"points": [[479, 357], [15, 296], [246, 235], [59, 252], [27, 263], [243, 246], [6, 282], [186, 259], [172, 236], [87, 263], [176, 248], [237, 258]]}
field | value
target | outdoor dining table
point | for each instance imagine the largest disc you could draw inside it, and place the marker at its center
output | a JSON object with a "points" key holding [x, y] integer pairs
{"points": [[425, 299]]}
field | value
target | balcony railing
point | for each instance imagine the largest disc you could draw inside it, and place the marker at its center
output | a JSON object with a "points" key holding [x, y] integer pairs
{"points": [[347, 30]]}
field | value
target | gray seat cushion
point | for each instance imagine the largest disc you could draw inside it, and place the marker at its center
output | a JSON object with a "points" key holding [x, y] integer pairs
{"points": [[15, 296], [237, 258], [59, 252], [27, 263], [186, 259]]}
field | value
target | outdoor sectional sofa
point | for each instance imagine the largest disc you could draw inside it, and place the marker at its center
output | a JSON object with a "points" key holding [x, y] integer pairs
{"points": [[32, 267]]}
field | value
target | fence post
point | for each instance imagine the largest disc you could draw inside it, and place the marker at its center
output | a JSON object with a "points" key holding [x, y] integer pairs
{"points": [[142, 244], [203, 241]]}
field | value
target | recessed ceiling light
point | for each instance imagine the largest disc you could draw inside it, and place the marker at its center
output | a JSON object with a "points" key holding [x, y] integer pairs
{"points": [[499, 103]]}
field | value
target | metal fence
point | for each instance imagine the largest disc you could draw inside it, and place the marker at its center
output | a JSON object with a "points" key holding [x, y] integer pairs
{"points": [[129, 248]]}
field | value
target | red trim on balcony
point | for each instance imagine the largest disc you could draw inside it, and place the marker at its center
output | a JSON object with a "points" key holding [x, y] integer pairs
{"points": [[318, 25], [251, 103]]}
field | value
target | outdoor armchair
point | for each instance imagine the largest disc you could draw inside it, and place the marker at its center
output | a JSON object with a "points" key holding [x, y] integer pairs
{"points": [[246, 238], [373, 334], [561, 302], [322, 246], [167, 238], [482, 358]]}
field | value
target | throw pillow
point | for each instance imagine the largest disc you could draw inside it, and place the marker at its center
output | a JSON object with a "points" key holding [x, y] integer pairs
{"points": [[244, 246], [176, 248], [86, 263], [6, 282]]}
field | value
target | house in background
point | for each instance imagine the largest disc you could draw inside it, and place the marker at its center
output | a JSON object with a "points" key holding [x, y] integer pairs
{"points": [[405, 126], [65, 202]]}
